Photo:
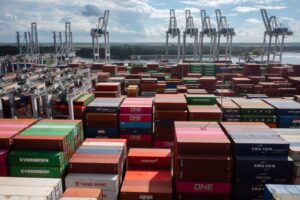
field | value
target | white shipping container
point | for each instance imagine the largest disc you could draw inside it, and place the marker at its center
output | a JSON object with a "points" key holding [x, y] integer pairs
{"points": [[21, 198], [102, 143], [104, 181], [34, 182], [47, 193]]}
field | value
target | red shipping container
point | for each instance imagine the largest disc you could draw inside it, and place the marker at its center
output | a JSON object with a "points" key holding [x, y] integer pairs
{"points": [[138, 141], [141, 158], [203, 187], [154, 185], [83, 193]]}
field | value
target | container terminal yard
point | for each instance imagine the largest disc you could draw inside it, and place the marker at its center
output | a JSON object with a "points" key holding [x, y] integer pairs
{"points": [[190, 127]]}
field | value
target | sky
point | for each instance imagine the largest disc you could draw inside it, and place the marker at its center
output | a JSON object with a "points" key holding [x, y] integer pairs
{"points": [[141, 20]]}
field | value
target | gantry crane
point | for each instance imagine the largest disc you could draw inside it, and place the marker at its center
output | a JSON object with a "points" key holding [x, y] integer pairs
{"points": [[207, 31], [173, 32], [192, 32], [96, 33], [224, 30], [64, 49], [278, 32], [28, 43]]}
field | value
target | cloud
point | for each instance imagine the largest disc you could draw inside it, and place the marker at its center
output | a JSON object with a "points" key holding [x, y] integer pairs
{"points": [[248, 9], [245, 9], [91, 10], [129, 20], [272, 7], [216, 3], [254, 21]]}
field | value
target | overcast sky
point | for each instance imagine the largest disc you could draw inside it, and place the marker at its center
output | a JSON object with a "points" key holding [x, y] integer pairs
{"points": [[140, 20]]}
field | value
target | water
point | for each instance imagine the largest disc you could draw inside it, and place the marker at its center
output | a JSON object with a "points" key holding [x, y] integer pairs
{"points": [[287, 58], [291, 58]]}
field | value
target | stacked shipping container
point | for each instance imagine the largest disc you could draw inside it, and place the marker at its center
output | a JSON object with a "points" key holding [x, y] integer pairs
{"points": [[287, 111], [148, 175], [168, 108], [203, 165], [101, 119], [256, 110], [136, 121], [43, 150], [98, 163], [261, 157]]}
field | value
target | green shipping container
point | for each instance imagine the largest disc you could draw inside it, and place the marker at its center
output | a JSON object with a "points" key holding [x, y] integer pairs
{"points": [[41, 172], [86, 98], [257, 111], [36, 158], [259, 118], [201, 99]]}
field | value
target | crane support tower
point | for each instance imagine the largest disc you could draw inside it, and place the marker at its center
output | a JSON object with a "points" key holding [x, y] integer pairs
{"points": [[192, 32], [173, 32], [98, 32], [210, 32], [276, 33], [224, 30], [28, 43], [64, 49]]}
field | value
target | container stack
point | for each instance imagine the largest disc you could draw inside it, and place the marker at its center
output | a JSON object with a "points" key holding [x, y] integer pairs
{"points": [[30, 188], [197, 68], [98, 163], [256, 110], [148, 87], [203, 108], [292, 136], [208, 83], [201, 99], [191, 82], [204, 113], [82, 193], [231, 111], [203, 164], [112, 69], [209, 69], [80, 104], [168, 108], [252, 69], [101, 118], [282, 192], [287, 111], [108, 89], [3, 163], [242, 85], [8, 129], [148, 175], [120, 79], [61, 109], [182, 70], [43, 150], [136, 118], [103, 76], [261, 157], [271, 89], [132, 91], [181, 89]]}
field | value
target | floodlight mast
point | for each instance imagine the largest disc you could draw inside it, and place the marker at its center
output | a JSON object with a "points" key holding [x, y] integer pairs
{"points": [[173, 32], [192, 32], [96, 33], [279, 33]]}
